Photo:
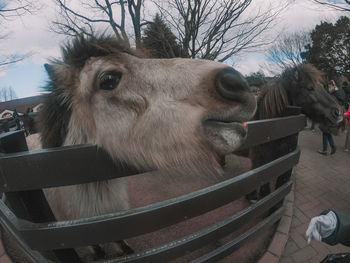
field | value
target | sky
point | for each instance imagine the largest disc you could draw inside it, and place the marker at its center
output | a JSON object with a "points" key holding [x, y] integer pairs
{"points": [[31, 34]]}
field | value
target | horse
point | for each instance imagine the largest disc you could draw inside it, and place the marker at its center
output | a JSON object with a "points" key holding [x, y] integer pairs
{"points": [[302, 86], [179, 116]]}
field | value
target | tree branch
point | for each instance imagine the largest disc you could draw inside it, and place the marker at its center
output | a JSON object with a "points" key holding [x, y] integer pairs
{"points": [[335, 6], [218, 29]]}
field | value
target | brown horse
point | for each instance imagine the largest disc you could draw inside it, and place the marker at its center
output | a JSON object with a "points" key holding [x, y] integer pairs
{"points": [[301, 86], [178, 115]]}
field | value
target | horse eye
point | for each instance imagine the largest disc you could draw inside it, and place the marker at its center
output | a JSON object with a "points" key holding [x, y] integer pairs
{"points": [[110, 79]]}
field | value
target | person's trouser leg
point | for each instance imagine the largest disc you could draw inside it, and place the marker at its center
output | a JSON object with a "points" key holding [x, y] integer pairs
{"points": [[347, 139], [330, 139], [331, 143], [324, 141], [18, 125]]}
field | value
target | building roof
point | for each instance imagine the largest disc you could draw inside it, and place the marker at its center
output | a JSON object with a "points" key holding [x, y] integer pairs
{"points": [[21, 105]]}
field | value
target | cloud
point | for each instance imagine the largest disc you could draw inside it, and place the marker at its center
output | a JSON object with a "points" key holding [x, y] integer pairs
{"points": [[31, 33], [300, 16], [249, 63]]}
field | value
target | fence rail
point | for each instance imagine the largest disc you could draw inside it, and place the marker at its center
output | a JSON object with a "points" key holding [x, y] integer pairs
{"points": [[123, 225], [23, 174], [197, 240], [65, 166]]}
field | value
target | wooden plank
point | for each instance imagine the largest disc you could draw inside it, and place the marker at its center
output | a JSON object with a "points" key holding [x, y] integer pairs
{"points": [[233, 245], [291, 110], [58, 167], [31, 205], [133, 222], [11, 142], [87, 163], [7, 219], [263, 131], [172, 250]]}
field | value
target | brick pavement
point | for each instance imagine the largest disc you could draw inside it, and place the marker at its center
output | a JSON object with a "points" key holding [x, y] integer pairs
{"points": [[321, 182]]}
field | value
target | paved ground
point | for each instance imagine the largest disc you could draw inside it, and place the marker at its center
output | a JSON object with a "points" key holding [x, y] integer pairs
{"points": [[321, 182]]}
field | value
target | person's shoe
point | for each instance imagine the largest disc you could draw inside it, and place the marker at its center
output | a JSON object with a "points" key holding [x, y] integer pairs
{"points": [[322, 152], [333, 149], [346, 150]]}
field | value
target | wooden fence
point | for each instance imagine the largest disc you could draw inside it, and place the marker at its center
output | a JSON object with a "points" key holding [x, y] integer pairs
{"points": [[27, 216], [26, 120]]}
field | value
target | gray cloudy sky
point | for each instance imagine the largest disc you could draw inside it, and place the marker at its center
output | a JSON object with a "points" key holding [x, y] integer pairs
{"points": [[31, 34]]}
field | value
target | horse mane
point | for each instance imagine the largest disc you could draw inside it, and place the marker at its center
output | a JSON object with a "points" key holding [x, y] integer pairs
{"points": [[303, 70], [272, 100], [54, 117], [274, 95], [80, 49]]}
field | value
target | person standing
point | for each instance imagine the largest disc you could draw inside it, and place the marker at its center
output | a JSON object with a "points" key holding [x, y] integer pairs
{"points": [[327, 138], [347, 138], [346, 89], [338, 93], [326, 133], [15, 116], [312, 128]]}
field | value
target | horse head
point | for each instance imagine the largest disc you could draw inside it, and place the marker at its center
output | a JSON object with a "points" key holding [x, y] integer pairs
{"points": [[305, 88], [151, 113]]}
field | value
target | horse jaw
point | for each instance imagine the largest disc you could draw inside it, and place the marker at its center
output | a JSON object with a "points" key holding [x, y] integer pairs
{"points": [[225, 138]]}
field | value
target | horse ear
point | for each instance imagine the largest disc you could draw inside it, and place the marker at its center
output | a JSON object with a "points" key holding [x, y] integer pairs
{"points": [[49, 69]]}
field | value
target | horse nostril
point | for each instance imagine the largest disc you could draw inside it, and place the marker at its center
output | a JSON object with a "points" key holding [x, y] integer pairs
{"points": [[231, 84]]}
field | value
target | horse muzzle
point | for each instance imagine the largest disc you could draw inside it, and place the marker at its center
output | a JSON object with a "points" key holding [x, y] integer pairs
{"points": [[231, 85], [226, 130]]}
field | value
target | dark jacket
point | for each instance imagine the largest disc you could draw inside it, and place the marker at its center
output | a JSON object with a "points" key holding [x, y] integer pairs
{"points": [[341, 233], [347, 93], [15, 114], [334, 130], [339, 94]]}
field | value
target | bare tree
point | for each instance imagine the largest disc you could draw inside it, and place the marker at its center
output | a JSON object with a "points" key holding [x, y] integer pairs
{"points": [[15, 8], [7, 93], [10, 10], [92, 14], [219, 29], [134, 8], [288, 50], [6, 60], [345, 6]]}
